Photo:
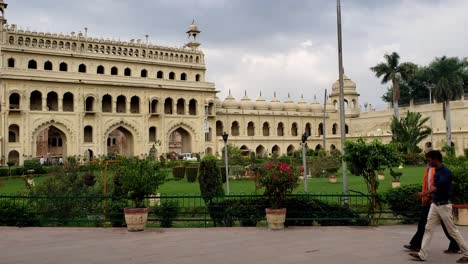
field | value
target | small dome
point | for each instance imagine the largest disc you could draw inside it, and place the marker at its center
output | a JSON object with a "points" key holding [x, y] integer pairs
{"points": [[348, 86], [261, 104], [303, 106], [276, 105], [218, 102], [289, 105], [230, 102], [246, 103], [315, 106]]}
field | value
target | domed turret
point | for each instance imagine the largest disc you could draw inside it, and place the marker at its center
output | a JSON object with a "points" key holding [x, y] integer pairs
{"points": [[330, 106], [230, 102], [261, 104], [246, 103], [348, 86], [218, 102], [289, 105], [315, 106], [303, 106], [351, 97], [275, 104]]}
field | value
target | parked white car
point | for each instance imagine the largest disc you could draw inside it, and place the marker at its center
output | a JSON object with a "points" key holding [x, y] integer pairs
{"points": [[188, 156]]}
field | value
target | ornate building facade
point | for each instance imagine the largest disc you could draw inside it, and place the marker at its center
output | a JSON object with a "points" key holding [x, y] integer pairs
{"points": [[73, 95]]}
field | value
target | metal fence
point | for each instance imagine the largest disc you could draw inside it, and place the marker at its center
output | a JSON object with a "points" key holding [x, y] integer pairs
{"points": [[189, 210]]}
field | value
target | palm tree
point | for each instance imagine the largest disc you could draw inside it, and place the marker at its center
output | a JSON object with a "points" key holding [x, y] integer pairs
{"points": [[446, 76], [392, 70], [409, 131]]}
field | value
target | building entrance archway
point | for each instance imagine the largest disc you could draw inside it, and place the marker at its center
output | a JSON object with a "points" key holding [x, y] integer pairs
{"points": [[120, 141], [51, 144], [180, 141]]}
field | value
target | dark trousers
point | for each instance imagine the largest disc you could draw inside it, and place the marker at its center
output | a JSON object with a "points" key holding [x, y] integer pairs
{"points": [[417, 238]]}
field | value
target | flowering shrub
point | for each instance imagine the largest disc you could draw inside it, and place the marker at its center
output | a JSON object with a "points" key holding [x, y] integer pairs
{"points": [[278, 179]]}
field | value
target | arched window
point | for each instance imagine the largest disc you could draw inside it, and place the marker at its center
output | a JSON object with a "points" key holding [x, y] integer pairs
{"points": [[13, 133], [171, 76], [152, 134], [89, 104], [100, 69], [14, 101], [219, 128], [168, 106], [197, 59], [52, 101], [334, 129], [251, 129], [48, 66], [127, 72], [266, 129], [68, 104], [197, 77], [160, 75], [308, 129], [82, 68], [235, 128], [88, 134], [63, 67], [181, 106], [121, 104], [35, 101], [210, 135], [183, 77], [11, 40], [193, 107], [346, 129], [294, 130], [135, 105], [107, 103], [144, 73], [154, 106], [280, 130], [335, 104], [276, 150], [32, 64], [114, 71], [11, 63]]}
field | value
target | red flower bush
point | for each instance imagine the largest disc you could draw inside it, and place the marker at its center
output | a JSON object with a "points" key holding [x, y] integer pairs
{"points": [[278, 179]]}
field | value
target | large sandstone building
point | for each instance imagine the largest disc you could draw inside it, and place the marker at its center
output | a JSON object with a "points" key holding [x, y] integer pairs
{"points": [[74, 95]]}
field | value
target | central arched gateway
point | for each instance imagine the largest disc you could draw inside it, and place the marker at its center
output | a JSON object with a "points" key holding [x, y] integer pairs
{"points": [[180, 141], [120, 141], [51, 144]]}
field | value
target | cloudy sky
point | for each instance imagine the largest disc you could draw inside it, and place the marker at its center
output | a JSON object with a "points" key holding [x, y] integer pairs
{"points": [[270, 45]]}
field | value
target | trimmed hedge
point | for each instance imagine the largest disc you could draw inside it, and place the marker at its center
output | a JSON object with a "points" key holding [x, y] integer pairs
{"points": [[403, 202], [12, 214], [178, 172], [191, 173], [167, 212]]}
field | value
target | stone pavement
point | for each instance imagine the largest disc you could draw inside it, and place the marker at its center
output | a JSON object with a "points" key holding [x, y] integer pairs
{"points": [[354, 245]]}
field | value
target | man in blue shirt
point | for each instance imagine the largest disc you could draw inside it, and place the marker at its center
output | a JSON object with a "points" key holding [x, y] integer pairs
{"points": [[441, 208]]}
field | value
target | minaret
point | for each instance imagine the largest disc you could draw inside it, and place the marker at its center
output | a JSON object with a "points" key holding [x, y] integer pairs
{"points": [[3, 21], [192, 35]]}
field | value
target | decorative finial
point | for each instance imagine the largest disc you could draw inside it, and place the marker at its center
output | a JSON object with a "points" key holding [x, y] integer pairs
{"points": [[315, 97], [260, 93], [302, 96], [245, 92], [274, 94], [229, 91], [289, 96]]}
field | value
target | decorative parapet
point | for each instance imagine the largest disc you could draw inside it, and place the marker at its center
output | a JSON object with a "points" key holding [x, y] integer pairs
{"points": [[80, 43]]}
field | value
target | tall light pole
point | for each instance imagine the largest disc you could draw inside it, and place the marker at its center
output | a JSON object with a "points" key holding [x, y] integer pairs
{"points": [[304, 159], [225, 138], [324, 120], [430, 103], [342, 110]]}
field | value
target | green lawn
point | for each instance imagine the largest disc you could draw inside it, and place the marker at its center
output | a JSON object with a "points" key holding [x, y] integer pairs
{"points": [[411, 175]]}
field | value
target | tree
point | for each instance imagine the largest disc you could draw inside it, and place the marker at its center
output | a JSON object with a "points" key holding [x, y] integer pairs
{"points": [[413, 87], [234, 155], [409, 131], [447, 76], [392, 70]]}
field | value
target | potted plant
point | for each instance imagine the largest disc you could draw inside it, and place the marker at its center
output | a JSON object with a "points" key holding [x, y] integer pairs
{"points": [[396, 178], [278, 179], [459, 193], [333, 166], [381, 175], [139, 179]]}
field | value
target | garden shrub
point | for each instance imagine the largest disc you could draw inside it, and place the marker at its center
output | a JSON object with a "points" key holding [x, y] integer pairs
{"points": [[34, 165], [191, 173], [412, 159], [4, 172], [403, 202], [116, 212], [167, 212], [209, 179], [222, 172], [323, 166], [465, 152], [459, 182], [178, 172], [237, 170], [13, 214]]}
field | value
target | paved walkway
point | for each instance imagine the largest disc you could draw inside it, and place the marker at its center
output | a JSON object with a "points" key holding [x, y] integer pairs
{"points": [[354, 245]]}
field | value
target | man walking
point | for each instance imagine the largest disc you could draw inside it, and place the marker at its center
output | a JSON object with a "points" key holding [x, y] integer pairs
{"points": [[415, 243], [441, 209]]}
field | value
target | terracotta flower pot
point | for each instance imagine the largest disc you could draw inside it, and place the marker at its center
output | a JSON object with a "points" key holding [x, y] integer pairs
{"points": [[136, 218], [276, 218], [332, 179], [396, 183], [460, 213], [381, 176]]}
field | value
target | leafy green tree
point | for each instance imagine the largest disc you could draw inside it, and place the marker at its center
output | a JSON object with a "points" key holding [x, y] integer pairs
{"points": [[365, 159], [409, 131], [412, 87], [211, 185], [392, 70], [447, 75], [234, 155]]}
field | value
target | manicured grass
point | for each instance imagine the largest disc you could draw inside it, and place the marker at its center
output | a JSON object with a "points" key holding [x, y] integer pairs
{"points": [[411, 175]]}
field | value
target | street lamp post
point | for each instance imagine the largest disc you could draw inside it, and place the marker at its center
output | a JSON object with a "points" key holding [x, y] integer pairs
{"points": [[430, 103], [225, 138], [304, 160]]}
